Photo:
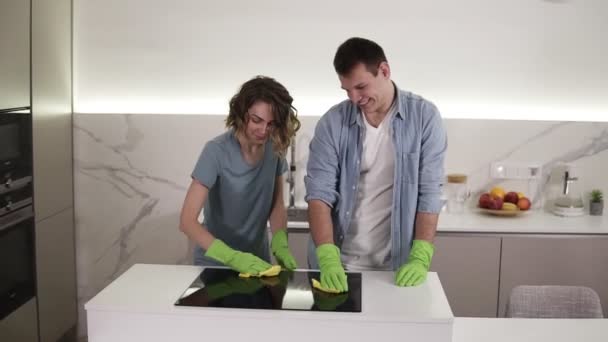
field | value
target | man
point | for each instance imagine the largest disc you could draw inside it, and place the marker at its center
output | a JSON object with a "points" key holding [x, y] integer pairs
{"points": [[374, 174]]}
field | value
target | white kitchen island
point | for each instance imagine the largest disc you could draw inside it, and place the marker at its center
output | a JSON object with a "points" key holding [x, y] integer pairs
{"points": [[139, 306]]}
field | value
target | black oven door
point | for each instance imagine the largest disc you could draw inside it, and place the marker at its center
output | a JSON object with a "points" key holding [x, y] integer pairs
{"points": [[15, 147], [17, 260]]}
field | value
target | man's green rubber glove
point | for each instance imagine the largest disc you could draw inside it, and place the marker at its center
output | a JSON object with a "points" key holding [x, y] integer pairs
{"points": [[414, 271], [238, 261], [332, 272], [280, 249]]}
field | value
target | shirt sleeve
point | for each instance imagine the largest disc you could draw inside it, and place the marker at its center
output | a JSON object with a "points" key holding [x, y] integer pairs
{"points": [[432, 155], [322, 170], [207, 168], [281, 166]]}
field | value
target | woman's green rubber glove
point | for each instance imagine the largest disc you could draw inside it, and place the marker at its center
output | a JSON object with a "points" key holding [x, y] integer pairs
{"points": [[280, 249], [238, 261]]}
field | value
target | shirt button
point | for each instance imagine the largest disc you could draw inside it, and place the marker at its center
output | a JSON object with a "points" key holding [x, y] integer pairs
{"points": [[353, 187], [358, 161], [348, 212]]}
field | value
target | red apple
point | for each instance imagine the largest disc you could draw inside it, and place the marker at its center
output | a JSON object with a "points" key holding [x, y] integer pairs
{"points": [[497, 202], [484, 200], [512, 197], [524, 203]]}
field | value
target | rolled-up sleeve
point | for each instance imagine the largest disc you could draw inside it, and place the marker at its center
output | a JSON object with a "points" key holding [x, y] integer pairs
{"points": [[322, 170], [432, 155]]}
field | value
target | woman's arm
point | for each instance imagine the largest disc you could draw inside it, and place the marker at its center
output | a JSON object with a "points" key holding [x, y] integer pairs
{"points": [[189, 225], [278, 213]]}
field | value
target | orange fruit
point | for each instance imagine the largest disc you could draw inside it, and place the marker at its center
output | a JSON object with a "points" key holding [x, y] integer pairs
{"points": [[498, 192]]}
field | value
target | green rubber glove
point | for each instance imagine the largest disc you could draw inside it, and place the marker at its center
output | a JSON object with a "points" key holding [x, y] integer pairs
{"points": [[413, 272], [234, 285], [238, 261], [332, 272], [280, 249]]}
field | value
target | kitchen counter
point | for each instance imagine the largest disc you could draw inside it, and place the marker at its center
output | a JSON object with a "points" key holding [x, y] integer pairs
{"points": [[531, 222], [138, 306]]}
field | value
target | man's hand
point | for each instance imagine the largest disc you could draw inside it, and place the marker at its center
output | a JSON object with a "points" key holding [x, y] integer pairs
{"points": [[238, 261], [280, 249], [332, 272], [414, 272]]}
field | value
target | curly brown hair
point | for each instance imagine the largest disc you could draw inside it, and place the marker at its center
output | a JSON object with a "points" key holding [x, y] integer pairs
{"points": [[266, 89]]}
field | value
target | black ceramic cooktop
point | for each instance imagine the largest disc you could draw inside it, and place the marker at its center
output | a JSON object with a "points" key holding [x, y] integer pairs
{"points": [[223, 288]]}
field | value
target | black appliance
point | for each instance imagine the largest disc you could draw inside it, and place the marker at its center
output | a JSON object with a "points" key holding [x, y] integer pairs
{"points": [[17, 272], [15, 149], [17, 244], [223, 288]]}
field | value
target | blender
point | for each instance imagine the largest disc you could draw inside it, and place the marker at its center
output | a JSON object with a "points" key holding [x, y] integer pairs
{"points": [[570, 201]]}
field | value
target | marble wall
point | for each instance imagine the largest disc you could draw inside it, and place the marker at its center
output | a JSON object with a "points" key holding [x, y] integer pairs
{"points": [[131, 173]]}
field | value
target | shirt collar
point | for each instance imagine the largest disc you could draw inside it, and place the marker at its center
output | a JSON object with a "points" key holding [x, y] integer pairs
{"points": [[355, 115]]}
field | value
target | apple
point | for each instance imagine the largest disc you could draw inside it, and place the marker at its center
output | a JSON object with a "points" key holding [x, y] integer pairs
{"points": [[524, 203], [512, 197], [497, 202], [484, 200]]}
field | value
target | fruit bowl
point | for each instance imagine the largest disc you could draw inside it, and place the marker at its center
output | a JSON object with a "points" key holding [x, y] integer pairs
{"points": [[500, 212]]}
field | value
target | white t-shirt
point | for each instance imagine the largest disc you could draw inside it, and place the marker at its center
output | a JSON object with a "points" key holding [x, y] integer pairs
{"points": [[367, 244]]}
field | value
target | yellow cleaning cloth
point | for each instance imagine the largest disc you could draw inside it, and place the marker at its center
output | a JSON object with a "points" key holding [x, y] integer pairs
{"points": [[317, 285], [271, 272]]}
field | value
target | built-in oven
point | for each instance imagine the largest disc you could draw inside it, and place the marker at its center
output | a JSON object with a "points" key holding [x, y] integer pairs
{"points": [[17, 244], [17, 259], [15, 149]]}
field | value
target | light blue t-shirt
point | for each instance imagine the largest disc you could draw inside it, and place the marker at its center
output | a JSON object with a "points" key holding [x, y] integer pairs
{"points": [[240, 195]]}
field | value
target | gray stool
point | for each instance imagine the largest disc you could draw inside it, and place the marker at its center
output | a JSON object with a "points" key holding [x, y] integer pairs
{"points": [[554, 302]]}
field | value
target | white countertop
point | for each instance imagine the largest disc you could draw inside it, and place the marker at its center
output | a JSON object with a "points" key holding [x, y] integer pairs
{"points": [[139, 306], [153, 289], [529, 330], [531, 222]]}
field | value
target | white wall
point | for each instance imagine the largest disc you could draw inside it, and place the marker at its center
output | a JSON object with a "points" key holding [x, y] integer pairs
{"points": [[516, 59]]}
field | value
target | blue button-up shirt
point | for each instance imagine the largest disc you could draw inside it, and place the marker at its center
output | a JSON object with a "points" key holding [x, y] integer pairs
{"points": [[333, 168]]}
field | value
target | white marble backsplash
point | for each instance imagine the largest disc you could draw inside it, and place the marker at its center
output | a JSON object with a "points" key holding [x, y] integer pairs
{"points": [[131, 173]]}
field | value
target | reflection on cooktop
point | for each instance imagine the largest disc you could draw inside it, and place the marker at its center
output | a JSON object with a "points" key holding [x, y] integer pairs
{"points": [[223, 288]]}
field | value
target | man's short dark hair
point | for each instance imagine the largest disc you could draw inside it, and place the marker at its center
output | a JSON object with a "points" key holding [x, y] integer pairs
{"points": [[358, 50]]}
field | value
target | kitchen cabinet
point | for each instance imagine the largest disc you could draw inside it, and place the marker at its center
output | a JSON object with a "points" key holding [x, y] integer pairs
{"points": [[468, 268], [55, 260], [554, 260], [21, 324], [14, 54], [52, 154]]}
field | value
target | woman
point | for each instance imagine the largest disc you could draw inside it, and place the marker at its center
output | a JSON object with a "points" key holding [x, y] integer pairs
{"points": [[238, 180]]}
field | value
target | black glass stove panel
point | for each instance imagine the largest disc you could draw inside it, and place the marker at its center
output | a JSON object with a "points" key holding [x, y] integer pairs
{"points": [[223, 288]]}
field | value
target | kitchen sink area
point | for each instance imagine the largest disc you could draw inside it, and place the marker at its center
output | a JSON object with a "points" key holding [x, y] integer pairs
{"points": [[297, 214]]}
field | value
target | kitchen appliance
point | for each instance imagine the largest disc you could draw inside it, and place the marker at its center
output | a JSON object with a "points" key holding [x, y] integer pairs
{"points": [[223, 288], [570, 202], [17, 261], [15, 149], [17, 271]]}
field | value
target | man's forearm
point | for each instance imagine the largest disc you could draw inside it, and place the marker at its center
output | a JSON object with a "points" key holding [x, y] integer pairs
{"points": [[321, 226], [426, 226]]}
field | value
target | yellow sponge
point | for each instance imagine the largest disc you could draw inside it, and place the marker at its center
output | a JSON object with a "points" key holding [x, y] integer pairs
{"points": [[271, 272], [317, 285]]}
